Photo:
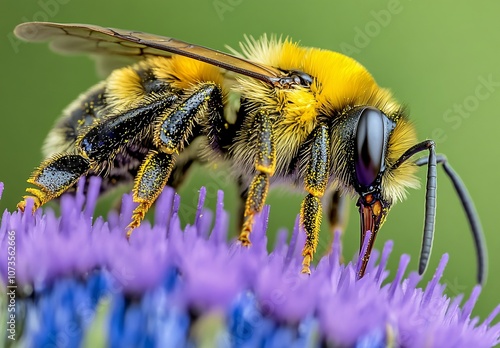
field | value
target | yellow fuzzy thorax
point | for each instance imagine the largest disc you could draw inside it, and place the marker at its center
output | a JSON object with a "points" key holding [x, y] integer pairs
{"points": [[339, 83]]}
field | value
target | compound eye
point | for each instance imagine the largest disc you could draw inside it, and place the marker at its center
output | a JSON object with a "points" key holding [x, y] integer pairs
{"points": [[370, 146]]}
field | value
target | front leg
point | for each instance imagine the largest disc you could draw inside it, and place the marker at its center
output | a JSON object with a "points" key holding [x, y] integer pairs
{"points": [[315, 183], [265, 165]]}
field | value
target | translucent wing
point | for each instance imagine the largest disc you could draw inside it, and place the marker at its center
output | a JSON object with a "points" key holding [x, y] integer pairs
{"points": [[95, 40]]}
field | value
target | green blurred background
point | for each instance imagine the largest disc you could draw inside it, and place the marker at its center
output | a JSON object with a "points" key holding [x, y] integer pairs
{"points": [[433, 55]]}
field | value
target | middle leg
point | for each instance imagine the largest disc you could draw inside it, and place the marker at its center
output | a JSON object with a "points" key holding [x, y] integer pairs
{"points": [[315, 184], [265, 165]]}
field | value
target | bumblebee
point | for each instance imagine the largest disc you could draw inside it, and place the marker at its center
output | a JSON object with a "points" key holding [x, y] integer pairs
{"points": [[313, 119]]}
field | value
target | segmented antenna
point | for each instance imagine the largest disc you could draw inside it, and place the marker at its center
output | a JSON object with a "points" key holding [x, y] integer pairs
{"points": [[470, 211], [430, 198]]}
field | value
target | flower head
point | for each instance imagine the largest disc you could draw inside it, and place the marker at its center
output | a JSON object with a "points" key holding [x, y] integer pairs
{"points": [[170, 286]]}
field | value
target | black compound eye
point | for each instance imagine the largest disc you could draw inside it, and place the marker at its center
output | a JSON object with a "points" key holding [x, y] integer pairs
{"points": [[370, 146]]}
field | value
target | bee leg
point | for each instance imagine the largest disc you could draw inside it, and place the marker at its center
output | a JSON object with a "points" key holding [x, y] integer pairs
{"points": [[257, 194], [315, 183], [54, 176], [170, 136], [173, 131], [265, 164], [151, 178]]}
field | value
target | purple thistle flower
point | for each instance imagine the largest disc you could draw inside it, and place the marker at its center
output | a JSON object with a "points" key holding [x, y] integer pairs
{"points": [[179, 287]]}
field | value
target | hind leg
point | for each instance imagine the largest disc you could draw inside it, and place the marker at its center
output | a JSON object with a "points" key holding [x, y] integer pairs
{"points": [[54, 176]]}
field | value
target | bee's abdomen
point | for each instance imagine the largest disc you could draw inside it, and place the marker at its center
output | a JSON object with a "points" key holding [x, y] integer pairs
{"points": [[86, 113], [75, 118]]}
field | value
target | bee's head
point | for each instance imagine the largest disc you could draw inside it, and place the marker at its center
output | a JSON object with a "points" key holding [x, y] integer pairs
{"points": [[369, 143]]}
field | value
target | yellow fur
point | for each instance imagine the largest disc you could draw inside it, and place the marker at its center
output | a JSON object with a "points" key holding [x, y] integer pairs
{"points": [[124, 89], [395, 182], [340, 80], [340, 83], [184, 73]]}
